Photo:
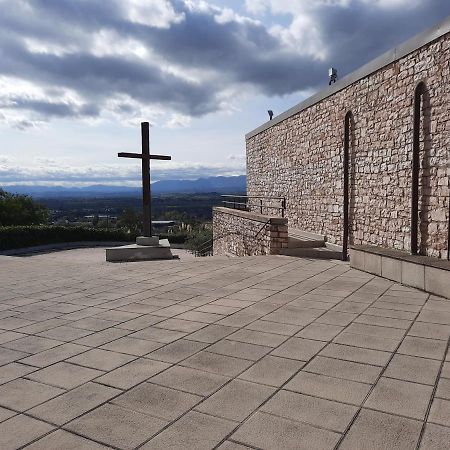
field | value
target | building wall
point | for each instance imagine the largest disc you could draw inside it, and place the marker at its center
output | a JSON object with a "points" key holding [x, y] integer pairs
{"points": [[240, 233], [302, 157]]}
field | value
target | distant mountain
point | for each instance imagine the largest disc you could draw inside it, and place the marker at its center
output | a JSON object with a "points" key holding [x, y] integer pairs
{"points": [[220, 185]]}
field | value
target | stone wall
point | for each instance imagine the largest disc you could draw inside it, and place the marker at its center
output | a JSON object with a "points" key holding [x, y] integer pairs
{"points": [[241, 233], [301, 157]]}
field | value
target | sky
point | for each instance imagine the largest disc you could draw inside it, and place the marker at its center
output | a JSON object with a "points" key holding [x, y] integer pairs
{"points": [[78, 76]]}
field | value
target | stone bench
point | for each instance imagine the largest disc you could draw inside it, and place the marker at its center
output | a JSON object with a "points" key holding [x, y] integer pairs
{"points": [[422, 272]]}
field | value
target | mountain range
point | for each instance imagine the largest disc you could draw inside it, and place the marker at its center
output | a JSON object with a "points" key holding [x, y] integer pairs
{"points": [[220, 185]]}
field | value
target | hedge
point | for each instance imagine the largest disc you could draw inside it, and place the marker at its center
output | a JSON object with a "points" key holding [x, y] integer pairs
{"points": [[26, 236], [12, 237]]}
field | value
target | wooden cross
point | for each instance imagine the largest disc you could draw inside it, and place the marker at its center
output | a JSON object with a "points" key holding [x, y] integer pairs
{"points": [[146, 194]]}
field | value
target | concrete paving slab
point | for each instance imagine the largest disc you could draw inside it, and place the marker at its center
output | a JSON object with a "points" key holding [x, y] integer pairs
{"points": [[380, 431], [177, 351], [348, 370], [61, 439], [410, 368], [215, 363], [435, 437], [22, 394], [194, 430], [236, 400], [298, 348], [265, 431], [64, 375], [272, 370], [73, 403], [20, 430], [331, 388], [322, 413], [440, 412], [400, 397], [116, 426], [157, 401], [239, 349]]}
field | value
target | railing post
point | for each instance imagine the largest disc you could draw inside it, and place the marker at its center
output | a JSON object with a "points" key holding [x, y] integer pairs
{"points": [[283, 206], [260, 204]]}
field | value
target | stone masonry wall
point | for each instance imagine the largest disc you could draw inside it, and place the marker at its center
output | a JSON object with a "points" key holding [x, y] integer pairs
{"points": [[302, 157], [240, 233]]}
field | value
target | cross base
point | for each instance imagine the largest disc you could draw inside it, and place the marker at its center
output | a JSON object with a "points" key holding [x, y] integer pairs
{"points": [[139, 252], [147, 240]]}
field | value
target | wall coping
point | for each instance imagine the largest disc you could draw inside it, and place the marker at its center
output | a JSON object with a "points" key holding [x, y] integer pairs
{"points": [[403, 256], [411, 45], [255, 217]]}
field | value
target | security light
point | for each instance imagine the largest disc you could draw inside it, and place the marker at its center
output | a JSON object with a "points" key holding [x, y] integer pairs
{"points": [[270, 112], [332, 73]]}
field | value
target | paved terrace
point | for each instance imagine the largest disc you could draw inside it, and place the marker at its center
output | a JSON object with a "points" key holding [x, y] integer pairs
{"points": [[257, 352]]}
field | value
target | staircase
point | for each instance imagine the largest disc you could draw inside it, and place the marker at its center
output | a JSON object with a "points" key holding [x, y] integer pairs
{"points": [[309, 245]]}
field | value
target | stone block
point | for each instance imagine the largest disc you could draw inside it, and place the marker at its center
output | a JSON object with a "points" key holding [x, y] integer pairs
{"points": [[357, 259], [413, 275], [437, 281], [147, 240], [372, 263], [391, 269], [137, 252]]}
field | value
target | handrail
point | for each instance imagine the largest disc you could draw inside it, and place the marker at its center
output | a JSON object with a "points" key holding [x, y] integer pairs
{"points": [[247, 205], [253, 196]]}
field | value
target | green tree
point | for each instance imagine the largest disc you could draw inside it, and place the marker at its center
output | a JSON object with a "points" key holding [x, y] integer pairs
{"points": [[18, 209], [95, 220], [130, 220]]}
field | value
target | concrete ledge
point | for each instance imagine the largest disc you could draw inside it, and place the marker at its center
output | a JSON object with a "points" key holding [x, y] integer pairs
{"points": [[272, 220], [421, 272]]}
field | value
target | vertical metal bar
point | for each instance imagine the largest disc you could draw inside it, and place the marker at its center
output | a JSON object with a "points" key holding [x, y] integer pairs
{"points": [[283, 207], [448, 237], [346, 159], [260, 205], [146, 194], [415, 169]]}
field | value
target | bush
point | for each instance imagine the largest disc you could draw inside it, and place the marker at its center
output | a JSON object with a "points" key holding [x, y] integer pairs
{"points": [[26, 236], [16, 209], [200, 242]]}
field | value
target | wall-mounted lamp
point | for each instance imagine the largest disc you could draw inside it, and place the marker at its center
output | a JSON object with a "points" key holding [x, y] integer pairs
{"points": [[332, 73], [270, 112]]}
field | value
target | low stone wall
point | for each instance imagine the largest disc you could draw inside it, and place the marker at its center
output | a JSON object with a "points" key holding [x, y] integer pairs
{"points": [[242, 233], [421, 272]]}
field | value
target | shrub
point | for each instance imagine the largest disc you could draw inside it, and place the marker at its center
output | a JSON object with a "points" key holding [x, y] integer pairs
{"points": [[16, 209], [12, 237], [26, 236]]}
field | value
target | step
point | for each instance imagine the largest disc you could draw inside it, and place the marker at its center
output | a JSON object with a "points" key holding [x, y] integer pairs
{"points": [[304, 239], [316, 253]]}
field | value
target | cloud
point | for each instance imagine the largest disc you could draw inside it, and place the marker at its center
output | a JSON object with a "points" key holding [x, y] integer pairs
{"points": [[58, 172], [178, 59]]}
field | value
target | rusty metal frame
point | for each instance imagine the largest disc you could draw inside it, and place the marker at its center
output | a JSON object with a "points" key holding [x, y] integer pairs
{"points": [[415, 172], [346, 161]]}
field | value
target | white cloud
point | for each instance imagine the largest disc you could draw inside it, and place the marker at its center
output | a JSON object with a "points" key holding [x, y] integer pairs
{"points": [[178, 121], [64, 172], [151, 13]]}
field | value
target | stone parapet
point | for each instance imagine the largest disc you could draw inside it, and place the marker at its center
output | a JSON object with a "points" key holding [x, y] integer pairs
{"points": [[243, 233]]}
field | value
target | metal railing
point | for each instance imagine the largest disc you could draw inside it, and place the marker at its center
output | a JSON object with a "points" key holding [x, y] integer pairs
{"points": [[255, 203]]}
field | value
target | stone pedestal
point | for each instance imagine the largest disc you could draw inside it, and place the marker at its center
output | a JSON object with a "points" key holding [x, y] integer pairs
{"points": [[145, 249]]}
